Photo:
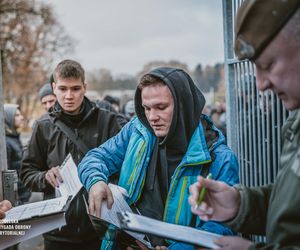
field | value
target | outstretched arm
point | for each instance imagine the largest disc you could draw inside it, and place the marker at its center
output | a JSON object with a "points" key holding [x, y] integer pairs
{"points": [[100, 163]]}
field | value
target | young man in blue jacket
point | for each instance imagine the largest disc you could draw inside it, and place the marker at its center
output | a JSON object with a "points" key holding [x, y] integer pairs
{"points": [[160, 153]]}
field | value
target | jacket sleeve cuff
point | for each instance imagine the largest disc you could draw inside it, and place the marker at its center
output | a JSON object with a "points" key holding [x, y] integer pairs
{"points": [[180, 246], [91, 183], [237, 222]]}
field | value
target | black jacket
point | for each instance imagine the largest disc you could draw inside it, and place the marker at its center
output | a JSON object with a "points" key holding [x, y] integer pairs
{"points": [[49, 146], [14, 160], [14, 151], [14, 148]]}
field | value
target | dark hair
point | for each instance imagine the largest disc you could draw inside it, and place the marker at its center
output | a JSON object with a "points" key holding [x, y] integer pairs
{"points": [[112, 100], [51, 79], [148, 80], [69, 69]]}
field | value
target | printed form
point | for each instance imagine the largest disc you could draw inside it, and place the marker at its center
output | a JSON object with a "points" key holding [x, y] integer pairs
{"points": [[119, 205], [71, 183], [36, 209]]}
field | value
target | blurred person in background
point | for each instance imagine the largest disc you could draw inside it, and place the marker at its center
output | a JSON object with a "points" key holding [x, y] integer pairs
{"points": [[129, 110], [114, 101], [14, 121], [47, 97]]}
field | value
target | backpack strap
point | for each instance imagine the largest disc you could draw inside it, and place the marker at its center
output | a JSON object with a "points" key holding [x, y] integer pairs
{"points": [[70, 134]]}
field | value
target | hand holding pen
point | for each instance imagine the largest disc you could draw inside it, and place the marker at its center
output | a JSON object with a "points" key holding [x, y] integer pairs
{"points": [[214, 200], [202, 193]]}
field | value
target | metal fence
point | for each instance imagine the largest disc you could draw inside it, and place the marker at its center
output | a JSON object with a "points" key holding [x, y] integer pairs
{"points": [[254, 119]]}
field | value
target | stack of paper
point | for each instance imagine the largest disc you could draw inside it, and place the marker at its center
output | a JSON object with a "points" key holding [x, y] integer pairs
{"points": [[110, 216], [26, 221]]}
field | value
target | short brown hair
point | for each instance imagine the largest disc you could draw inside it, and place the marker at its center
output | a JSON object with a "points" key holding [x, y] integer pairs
{"points": [[148, 80], [69, 69]]}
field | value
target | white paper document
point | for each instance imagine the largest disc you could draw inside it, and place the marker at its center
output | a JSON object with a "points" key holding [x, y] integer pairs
{"points": [[71, 183], [142, 224], [119, 205], [29, 229], [26, 221], [36, 209], [29, 220], [111, 215]]}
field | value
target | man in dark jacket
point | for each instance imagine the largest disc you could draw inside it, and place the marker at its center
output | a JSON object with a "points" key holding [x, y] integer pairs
{"points": [[267, 33], [13, 121], [49, 146]]}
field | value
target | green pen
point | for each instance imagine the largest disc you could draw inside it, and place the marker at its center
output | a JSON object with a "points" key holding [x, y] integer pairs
{"points": [[202, 192]]}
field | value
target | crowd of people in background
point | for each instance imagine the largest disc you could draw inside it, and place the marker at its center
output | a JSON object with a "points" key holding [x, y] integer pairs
{"points": [[217, 113], [160, 147]]}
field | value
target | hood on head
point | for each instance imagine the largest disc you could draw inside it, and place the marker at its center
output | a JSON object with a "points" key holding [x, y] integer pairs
{"points": [[10, 111], [188, 105]]}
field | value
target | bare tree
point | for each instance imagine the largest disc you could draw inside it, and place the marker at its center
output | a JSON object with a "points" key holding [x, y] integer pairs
{"points": [[100, 80], [30, 39]]}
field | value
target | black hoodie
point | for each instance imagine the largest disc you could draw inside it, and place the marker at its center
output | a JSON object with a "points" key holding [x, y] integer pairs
{"points": [[168, 152]]}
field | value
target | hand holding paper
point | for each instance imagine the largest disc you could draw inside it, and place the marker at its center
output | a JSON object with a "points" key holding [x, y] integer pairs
{"points": [[110, 215], [99, 193], [68, 173], [44, 216], [53, 177]]}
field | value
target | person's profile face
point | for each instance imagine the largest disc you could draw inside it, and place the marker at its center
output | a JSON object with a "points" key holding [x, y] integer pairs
{"points": [[18, 119], [69, 93], [277, 69], [158, 104]]}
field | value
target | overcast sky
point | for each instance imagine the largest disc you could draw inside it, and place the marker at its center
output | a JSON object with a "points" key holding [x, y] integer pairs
{"points": [[122, 35]]}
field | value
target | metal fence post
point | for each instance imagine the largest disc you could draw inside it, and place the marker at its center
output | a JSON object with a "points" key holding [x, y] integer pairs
{"points": [[229, 76], [3, 156]]}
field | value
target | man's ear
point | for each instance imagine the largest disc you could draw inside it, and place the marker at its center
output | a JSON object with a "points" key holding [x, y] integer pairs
{"points": [[84, 86]]}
